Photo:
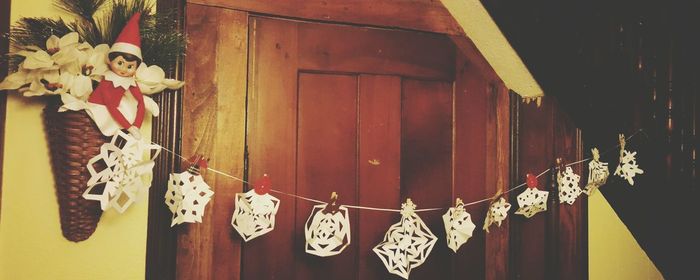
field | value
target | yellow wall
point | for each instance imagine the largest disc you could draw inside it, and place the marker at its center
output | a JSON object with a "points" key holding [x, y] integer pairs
{"points": [[31, 243], [613, 251]]}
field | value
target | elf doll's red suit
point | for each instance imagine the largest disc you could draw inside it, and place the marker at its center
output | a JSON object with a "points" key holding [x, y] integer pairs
{"points": [[111, 95], [117, 102]]}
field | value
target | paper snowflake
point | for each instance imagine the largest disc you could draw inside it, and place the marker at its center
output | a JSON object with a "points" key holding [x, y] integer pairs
{"points": [[497, 213], [598, 173], [569, 189], [531, 202], [628, 167], [458, 226], [254, 214], [186, 197], [406, 244], [327, 233], [120, 176]]}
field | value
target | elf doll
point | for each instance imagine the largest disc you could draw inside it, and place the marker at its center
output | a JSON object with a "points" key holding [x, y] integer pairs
{"points": [[117, 103]]}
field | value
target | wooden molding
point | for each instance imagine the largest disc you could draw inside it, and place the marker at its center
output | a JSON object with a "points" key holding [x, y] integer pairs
{"points": [[4, 48], [161, 242], [423, 15]]}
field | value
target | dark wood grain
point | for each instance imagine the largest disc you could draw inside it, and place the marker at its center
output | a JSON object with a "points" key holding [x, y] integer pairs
{"points": [[426, 162], [425, 15], [214, 126], [343, 48], [535, 140], [161, 243], [379, 166], [498, 176], [327, 162], [569, 259], [4, 48], [272, 138], [471, 94]]}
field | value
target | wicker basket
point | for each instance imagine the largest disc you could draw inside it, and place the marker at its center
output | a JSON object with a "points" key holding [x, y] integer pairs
{"points": [[73, 139]]}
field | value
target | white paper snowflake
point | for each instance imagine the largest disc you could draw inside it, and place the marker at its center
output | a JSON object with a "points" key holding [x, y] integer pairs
{"points": [[120, 176], [598, 173], [254, 214], [458, 226], [569, 189], [327, 233], [531, 202], [186, 197], [498, 211], [628, 167], [406, 244]]}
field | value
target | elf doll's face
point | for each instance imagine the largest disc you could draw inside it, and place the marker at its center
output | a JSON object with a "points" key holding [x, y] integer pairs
{"points": [[123, 68]]}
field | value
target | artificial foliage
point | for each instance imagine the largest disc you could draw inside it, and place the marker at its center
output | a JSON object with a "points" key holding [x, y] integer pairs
{"points": [[99, 22]]}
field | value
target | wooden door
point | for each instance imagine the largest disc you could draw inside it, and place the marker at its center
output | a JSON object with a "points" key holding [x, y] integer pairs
{"points": [[377, 116]]}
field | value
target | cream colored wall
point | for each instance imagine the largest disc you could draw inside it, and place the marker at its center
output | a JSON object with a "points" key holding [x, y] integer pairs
{"points": [[31, 243], [613, 253]]}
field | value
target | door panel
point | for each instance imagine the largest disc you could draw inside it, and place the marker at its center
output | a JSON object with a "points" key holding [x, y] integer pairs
{"points": [[426, 162], [327, 162], [363, 112]]}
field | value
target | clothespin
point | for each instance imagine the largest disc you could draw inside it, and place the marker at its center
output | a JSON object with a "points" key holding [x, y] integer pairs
{"points": [[333, 205], [531, 181], [596, 154], [623, 141], [262, 185], [560, 164], [196, 164], [459, 205]]}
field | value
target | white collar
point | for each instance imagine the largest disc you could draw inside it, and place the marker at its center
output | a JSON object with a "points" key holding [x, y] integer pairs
{"points": [[119, 81]]}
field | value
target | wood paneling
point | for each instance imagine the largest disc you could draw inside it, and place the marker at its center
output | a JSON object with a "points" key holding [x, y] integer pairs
{"points": [[571, 219], [498, 174], [469, 170], [535, 140], [327, 162], [272, 123], [425, 15], [378, 165], [377, 51], [213, 125], [426, 162], [161, 244]]}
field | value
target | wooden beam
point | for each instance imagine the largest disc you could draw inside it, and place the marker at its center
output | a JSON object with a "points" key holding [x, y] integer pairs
{"points": [[478, 25], [214, 106], [423, 15]]}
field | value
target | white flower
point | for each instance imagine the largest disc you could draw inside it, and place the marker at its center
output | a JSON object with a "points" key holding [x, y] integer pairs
{"points": [[34, 60], [49, 82], [63, 50], [151, 79]]}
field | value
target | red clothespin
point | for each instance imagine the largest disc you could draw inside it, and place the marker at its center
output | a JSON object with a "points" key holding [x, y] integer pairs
{"points": [[262, 185], [333, 205], [531, 181], [196, 164]]}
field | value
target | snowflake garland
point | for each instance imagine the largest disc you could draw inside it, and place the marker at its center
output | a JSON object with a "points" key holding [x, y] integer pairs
{"points": [[569, 189], [186, 197], [498, 211], [598, 173], [628, 167], [254, 214], [406, 244], [531, 202], [120, 176], [327, 231], [458, 226]]}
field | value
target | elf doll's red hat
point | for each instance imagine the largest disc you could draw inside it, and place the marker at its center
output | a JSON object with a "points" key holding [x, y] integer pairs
{"points": [[129, 40]]}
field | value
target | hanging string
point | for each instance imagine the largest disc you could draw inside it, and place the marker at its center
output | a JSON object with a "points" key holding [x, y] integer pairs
{"points": [[393, 209]]}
